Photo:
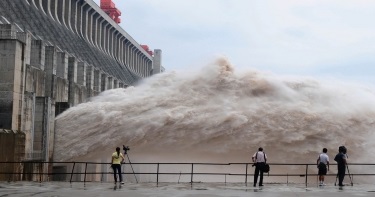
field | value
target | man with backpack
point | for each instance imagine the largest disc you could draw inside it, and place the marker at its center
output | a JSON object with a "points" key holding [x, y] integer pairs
{"points": [[259, 159]]}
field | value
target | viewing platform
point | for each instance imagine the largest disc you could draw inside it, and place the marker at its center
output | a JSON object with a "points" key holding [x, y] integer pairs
{"points": [[62, 189]]}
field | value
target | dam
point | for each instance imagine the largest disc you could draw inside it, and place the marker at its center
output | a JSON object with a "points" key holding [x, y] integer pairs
{"points": [[215, 115], [55, 55]]}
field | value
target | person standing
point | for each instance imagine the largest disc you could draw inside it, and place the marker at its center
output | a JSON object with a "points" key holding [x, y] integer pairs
{"points": [[259, 159], [117, 159], [323, 166], [341, 164]]}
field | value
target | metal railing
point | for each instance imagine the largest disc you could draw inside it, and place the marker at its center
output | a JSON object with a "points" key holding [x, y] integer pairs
{"points": [[38, 171]]}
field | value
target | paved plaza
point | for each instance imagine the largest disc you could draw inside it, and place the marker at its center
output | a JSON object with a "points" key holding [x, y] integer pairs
{"points": [[60, 189]]}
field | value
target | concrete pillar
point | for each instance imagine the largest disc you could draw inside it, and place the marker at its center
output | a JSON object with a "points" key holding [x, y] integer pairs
{"points": [[37, 54], [42, 128], [90, 80], [72, 77], [110, 83], [115, 83], [74, 16], [97, 80], [103, 34], [149, 67], [132, 58], [62, 83], [157, 61], [91, 23], [40, 6], [25, 38], [48, 102], [68, 12], [81, 73], [10, 84], [47, 8], [62, 64], [28, 122], [144, 67], [99, 32], [80, 19], [50, 69], [108, 40], [137, 62], [95, 30], [54, 11], [61, 13], [127, 52], [14, 55], [85, 21], [104, 81], [120, 48]]}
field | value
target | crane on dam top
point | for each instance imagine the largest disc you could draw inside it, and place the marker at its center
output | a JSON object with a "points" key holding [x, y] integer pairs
{"points": [[110, 8], [147, 49]]}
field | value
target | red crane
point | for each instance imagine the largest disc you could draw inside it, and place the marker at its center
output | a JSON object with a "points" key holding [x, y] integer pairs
{"points": [[110, 8], [147, 49]]}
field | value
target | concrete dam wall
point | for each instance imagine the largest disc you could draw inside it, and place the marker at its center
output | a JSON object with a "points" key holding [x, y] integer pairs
{"points": [[82, 29], [55, 54]]}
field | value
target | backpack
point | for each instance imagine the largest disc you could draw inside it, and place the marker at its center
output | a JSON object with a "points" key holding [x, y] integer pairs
{"points": [[266, 168]]}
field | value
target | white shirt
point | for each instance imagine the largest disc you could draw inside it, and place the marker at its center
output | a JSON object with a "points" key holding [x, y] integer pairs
{"points": [[260, 156], [323, 158]]}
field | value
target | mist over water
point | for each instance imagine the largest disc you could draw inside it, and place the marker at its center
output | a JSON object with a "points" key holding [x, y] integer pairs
{"points": [[219, 115]]}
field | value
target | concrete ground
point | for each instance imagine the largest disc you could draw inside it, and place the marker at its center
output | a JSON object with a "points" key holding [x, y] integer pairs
{"points": [[60, 189]]}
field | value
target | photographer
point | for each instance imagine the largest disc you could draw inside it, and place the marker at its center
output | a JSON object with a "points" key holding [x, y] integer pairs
{"points": [[341, 164], [259, 159], [117, 159]]}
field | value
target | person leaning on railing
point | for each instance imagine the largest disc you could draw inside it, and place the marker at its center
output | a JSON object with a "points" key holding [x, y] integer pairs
{"points": [[259, 159], [323, 166]]}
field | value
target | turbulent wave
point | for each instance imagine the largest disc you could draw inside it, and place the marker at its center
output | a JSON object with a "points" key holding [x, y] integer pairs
{"points": [[219, 115]]}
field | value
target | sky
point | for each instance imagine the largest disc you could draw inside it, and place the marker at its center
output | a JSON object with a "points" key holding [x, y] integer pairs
{"points": [[321, 38]]}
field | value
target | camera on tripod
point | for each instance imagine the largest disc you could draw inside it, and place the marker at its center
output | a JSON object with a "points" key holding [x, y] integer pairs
{"points": [[125, 148]]}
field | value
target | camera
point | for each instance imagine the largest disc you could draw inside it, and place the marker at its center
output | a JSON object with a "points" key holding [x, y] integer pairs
{"points": [[125, 148]]}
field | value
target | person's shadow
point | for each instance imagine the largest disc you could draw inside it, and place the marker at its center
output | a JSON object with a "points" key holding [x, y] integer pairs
{"points": [[117, 187]]}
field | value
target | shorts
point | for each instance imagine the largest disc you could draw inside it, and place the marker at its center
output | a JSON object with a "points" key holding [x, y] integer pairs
{"points": [[322, 169]]}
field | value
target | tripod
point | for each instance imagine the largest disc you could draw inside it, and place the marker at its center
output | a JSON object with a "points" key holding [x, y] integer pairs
{"points": [[127, 155], [347, 167], [350, 177]]}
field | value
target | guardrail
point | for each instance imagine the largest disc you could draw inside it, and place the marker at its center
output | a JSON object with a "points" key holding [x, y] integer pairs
{"points": [[40, 170]]}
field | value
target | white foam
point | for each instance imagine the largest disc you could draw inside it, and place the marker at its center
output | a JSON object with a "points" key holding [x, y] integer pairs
{"points": [[219, 115]]}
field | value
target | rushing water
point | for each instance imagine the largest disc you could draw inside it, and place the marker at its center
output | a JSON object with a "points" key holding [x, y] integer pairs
{"points": [[219, 115]]}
